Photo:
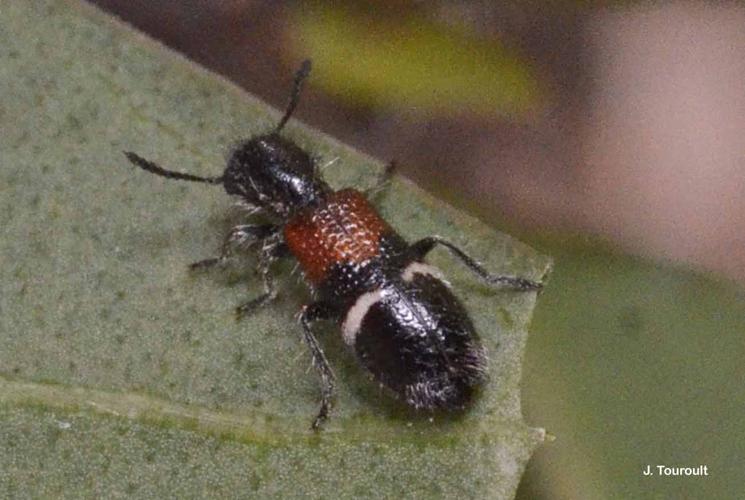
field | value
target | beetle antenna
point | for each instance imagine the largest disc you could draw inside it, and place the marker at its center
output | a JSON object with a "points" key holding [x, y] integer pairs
{"points": [[155, 169], [297, 85]]}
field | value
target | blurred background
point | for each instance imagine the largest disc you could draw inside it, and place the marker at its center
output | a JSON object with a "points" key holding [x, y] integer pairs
{"points": [[608, 137]]}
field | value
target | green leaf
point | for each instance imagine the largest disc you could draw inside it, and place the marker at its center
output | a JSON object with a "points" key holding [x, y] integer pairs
{"points": [[635, 363], [121, 372]]}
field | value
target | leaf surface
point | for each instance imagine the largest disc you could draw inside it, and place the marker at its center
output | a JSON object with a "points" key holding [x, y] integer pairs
{"points": [[122, 373]]}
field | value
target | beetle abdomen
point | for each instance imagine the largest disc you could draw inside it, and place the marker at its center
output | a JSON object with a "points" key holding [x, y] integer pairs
{"points": [[416, 339]]}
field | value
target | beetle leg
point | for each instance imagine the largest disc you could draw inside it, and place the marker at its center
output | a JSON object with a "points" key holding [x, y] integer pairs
{"points": [[310, 314], [245, 234], [270, 253], [422, 247], [383, 180]]}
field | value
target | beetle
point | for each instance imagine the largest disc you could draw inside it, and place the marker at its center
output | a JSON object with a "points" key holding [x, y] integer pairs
{"points": [[396, 312]]}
